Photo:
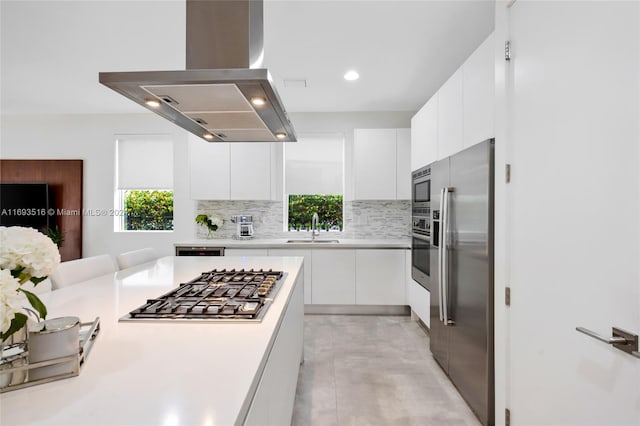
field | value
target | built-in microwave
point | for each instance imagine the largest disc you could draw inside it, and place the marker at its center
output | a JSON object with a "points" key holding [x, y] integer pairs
{"points": [[421, 184], [421, 226]]}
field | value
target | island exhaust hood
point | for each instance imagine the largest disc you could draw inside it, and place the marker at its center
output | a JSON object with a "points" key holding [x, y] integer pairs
{"points": [[223, 95]]}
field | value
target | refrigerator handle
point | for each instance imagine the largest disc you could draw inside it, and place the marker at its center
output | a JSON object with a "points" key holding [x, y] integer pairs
{"points": [[440, 264], [445, 255]]}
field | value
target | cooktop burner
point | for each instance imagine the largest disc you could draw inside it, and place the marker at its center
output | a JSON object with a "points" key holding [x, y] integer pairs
{"points": [[217, 295]]}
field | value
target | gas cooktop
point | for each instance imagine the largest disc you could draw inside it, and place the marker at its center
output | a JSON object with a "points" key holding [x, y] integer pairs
{"points": [[216, 296]]}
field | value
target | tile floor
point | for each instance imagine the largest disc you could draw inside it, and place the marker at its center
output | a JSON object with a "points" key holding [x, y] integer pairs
{"points": [[373, 370]]}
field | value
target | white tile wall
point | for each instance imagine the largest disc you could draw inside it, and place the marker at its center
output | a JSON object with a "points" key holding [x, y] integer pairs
{"points": [[363, 219]]}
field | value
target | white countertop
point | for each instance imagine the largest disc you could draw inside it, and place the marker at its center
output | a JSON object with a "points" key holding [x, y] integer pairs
{"points": [[281, 243], [154, 373]]}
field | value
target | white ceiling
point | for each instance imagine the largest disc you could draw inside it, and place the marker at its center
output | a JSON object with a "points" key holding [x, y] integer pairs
{"points": [[52, 51]]}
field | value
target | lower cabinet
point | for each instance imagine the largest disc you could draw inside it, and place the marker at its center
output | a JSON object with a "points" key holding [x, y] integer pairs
{"points": [[380, 277], [419, 300], [245, 252], [348, 276], [274, 398], [333, 277], [307, 268]]}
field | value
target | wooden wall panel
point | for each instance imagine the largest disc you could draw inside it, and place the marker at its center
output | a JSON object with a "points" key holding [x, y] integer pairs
{"points": [[65, 177]]}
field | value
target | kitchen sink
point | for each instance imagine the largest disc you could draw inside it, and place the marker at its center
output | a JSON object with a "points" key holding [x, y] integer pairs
{"points": [[313, 241]]}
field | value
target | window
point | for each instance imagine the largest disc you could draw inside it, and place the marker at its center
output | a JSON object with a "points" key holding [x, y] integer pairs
{"points": [[314, 181], [144, 182]]}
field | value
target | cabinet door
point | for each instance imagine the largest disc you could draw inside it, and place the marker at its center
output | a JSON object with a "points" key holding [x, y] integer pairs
{"points": [[333, 274], [479, 90], [273, 401], [450, 116], [424, 134], [245, 252], [417, 138], [374, 152], [380, 277], [419, 300], [403, 164], [250, 171], [307, 268], [208, 169]]}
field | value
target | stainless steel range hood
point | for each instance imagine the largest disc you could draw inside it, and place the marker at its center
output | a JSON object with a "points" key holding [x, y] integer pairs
{"points": [[223, 95]]}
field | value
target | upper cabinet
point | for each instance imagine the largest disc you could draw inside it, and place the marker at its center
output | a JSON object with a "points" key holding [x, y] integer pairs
{"points": [[424, 134], [450, 116], [250, 171], [403, 164], [230, 171], [381, 164], [460, 114], [208, 169], [479, 90]]}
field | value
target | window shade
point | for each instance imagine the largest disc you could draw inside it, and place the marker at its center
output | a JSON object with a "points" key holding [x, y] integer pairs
{"points": [[145, 162], [314, 165]]}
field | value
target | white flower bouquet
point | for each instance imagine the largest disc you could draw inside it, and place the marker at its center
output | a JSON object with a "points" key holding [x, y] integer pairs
{"points": [[25, 255], [211, 222]]}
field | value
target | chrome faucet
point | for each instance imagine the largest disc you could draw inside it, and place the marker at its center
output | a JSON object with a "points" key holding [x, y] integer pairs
{"points": [[314, 226]]}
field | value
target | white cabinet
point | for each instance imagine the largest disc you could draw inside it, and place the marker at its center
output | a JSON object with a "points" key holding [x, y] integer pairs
{"points": [[479, 90], [380, 277], [424, 134], [274, 398], [381, 161], [208, 169], [307, 267], [450, 112], [419, 300], [333, 277], [349, 276], [460, 114], [250, 171], [230, 171], [403, 164], [245, 252], [374, 152]]}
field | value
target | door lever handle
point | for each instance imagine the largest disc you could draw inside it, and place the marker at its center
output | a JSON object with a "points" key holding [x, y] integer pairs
{"points": [[620, 339], [609, 340]]}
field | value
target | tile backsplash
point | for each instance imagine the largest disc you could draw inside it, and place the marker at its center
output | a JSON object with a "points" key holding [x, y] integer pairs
{"points": [[362, 219]]}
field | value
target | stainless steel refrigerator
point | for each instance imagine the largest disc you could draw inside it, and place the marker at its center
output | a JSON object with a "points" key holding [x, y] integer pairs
{"points": [[461, 313]]}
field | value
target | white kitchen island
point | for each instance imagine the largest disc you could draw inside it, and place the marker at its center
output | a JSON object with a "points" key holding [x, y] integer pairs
{"points": [[172, 373]]}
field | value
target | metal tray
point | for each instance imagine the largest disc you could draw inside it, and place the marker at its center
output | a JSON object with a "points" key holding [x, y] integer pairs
{"points": [[19, 355]]}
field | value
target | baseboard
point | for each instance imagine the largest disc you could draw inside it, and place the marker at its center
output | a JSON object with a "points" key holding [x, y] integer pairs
{"points": [[357, 309]]}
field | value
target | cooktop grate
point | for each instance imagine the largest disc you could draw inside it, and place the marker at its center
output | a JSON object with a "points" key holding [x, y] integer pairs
{"points": [[217, 295]]}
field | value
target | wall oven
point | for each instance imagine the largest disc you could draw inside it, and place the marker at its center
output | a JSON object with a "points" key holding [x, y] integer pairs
{"points": [[421, 226]]}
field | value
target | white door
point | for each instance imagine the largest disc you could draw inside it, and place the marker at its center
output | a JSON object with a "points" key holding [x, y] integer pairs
{"points": [[573, 211]]}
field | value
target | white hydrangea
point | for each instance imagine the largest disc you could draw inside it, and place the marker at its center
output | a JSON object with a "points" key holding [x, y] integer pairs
{"points": [[28, 248], [11, 300], [215, 220]]}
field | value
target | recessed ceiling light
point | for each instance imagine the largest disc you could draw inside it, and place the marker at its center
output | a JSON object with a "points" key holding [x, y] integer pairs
{"points": [[257, 101], [208, 136], [152, 103], [351, 75], [281, 135]]}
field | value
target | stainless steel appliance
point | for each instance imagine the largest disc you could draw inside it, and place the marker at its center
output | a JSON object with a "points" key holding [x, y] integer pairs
{"points": [[199, 251], [461, 311], [217, 295], [244, 226], [421, 226], [224, 94]]}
